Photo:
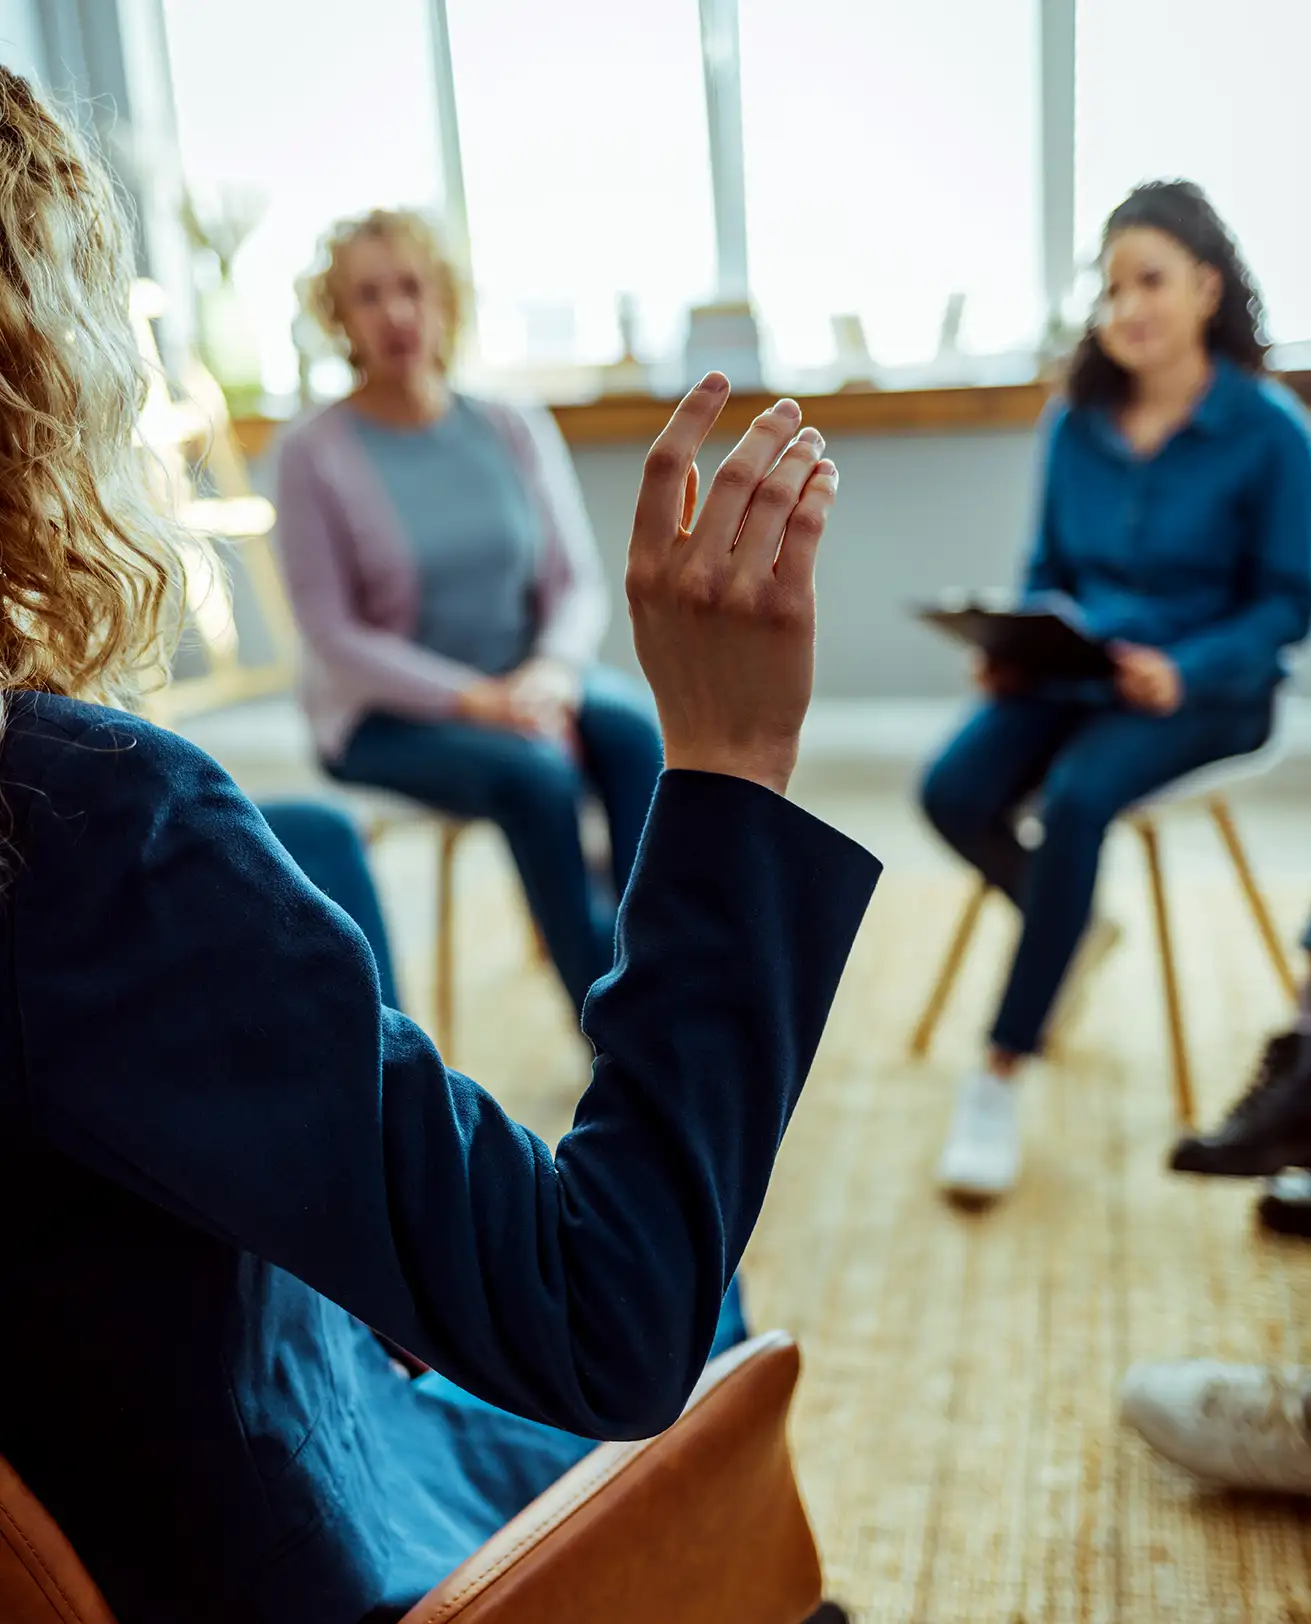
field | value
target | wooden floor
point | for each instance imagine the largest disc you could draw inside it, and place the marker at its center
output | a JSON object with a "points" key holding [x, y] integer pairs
{"points": [[956, 1429]]}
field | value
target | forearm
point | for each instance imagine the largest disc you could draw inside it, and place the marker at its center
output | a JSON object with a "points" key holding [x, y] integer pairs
{"points": [[604, 1274], [390, 673], [1233, 660], [732, 942]]}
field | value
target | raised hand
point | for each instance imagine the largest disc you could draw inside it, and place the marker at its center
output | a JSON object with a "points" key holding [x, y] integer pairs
{"points": [[723, 609]]}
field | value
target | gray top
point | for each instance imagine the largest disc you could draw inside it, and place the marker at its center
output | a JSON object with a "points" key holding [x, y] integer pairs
{"points": [[475, 533]]}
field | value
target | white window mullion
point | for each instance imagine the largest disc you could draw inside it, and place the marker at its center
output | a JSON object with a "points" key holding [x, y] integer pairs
{"points": [[1056, 195], [721, 60], [455, 207]]}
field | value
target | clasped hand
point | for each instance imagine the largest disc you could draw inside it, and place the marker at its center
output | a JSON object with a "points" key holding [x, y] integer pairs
{"points": [[540, 699], [1145, 678]]}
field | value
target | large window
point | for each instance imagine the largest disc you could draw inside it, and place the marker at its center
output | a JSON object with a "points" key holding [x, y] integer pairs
{"points": [[892, 155], [891, 159], [583, 136], [317, 110], [1215, 94]]}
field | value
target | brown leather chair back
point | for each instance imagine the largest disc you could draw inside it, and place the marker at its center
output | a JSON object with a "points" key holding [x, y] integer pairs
{"points": [[702, 1524], [41, 1579]]}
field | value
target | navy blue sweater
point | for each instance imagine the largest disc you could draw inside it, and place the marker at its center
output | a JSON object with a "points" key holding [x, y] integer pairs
{"points": [[219, 1154]]}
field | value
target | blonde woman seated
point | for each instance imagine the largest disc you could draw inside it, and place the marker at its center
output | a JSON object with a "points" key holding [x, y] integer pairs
{"points": [[445, 579]]}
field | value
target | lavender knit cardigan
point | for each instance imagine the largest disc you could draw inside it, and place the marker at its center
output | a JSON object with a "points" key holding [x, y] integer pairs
{"points": [[354, 586]]}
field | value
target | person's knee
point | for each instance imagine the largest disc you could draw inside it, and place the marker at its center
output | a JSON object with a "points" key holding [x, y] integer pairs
{"points": [[1077, 803], [949, 799], [623, 726], [544, 785], [312, 826]]}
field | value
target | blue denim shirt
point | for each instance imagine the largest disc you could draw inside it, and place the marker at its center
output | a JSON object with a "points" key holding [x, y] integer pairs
{"points": [[1202, 549]]}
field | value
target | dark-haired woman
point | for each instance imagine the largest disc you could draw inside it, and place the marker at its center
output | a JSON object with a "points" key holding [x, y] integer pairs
{"points": [[1176, 514]]}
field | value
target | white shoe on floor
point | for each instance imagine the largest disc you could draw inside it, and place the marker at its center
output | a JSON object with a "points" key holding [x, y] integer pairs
{"points": [[981, 1159], [1099, 941], [1242, 1426]]}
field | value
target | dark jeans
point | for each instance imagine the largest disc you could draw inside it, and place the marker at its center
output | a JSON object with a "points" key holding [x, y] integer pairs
{"points": [[326, 845], [1086, 763], [534, 791]]}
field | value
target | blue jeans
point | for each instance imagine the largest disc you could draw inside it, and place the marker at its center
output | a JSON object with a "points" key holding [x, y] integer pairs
{"points": [[1086, 764], [535, 791]]}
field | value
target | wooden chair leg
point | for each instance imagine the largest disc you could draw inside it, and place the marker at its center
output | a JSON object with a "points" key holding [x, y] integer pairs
{"points": [[444, 946], [1183, 1080], [1224, 822], [928, 1021]]}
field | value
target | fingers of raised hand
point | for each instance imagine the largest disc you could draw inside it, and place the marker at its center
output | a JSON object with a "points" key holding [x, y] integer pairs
{"points": [[773, 501], [735, 485], [794, 568], [774, 585], [662, 496]]}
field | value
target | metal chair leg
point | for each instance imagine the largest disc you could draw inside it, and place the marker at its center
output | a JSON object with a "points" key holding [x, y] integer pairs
{"points": [[1183, 1080], [448, 838], [928, 1021], [1224, 822]]}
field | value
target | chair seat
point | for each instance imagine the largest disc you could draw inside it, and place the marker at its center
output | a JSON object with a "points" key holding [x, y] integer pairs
{"points": [[1218, 778]]}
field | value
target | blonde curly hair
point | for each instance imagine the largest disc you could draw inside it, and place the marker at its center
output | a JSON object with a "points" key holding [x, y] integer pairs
{"points": [[320, 287], [91, 572]]}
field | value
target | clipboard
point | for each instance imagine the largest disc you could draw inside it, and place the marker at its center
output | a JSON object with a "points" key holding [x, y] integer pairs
{"points": [[1043, 639]]}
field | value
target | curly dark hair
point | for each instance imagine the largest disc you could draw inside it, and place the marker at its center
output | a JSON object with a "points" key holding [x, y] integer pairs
{"points": [[1237, 330]]}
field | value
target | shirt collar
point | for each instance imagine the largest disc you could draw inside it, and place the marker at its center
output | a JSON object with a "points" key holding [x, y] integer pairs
{"points": [[1223, 398], [1212, 415]]}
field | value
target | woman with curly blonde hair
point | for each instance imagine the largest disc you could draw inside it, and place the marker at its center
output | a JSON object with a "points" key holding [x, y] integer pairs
{"points": [[221, 1157], [444, 575]]}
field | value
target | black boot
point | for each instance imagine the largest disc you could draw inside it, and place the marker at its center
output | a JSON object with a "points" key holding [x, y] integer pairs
{"points": [[1268, 1129], [1285, 1206], [828, 1612]]}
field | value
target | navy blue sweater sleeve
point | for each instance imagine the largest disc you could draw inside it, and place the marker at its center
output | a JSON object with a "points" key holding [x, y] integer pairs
{"points": [[203, 1027], [1231, 660]]}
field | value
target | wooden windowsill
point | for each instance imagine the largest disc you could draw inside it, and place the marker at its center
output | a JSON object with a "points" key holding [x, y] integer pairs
{"points": [[637, 419]]}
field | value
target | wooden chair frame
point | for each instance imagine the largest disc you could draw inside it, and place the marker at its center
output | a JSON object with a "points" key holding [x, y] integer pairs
{"points": [[1146, 825]]}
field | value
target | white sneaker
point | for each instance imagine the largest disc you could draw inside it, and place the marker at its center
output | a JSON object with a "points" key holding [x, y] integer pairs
{"points": [[981, 1158], [1242, 1426], [1099, 941]]}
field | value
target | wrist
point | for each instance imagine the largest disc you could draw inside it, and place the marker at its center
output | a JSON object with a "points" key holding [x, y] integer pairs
{"points": [[770, 768]]}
